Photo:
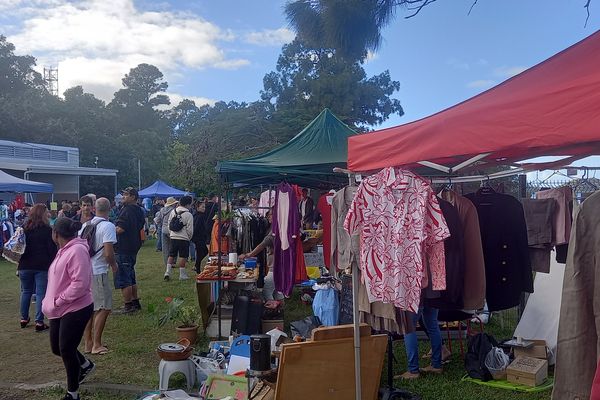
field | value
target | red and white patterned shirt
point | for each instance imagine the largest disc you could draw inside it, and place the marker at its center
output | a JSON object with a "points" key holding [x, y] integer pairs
{"points": [[402, 228]]}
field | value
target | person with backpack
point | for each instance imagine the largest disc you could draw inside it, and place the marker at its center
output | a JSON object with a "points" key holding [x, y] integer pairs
{"points": [[101, 236], [181, 230]]}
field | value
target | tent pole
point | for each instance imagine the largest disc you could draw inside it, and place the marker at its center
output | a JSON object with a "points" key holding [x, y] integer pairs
{"points": [[357, 378], [219, 262]]}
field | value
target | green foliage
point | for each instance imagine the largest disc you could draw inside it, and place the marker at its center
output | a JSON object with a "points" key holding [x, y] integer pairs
{"points": [[180, 315]]}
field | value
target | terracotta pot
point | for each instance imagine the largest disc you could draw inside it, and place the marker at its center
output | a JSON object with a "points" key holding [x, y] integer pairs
{"points": [[188, 332]]}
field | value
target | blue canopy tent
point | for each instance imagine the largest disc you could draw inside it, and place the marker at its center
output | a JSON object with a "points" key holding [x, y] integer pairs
{"points": [[160, 189], [12, 184]]}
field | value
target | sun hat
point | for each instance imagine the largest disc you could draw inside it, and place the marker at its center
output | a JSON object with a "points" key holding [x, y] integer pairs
{"points": [[171, 201]]}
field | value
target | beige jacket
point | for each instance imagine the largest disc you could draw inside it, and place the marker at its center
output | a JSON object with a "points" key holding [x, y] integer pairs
{"points": [[345, 250], [188, 224], [579, 326]]}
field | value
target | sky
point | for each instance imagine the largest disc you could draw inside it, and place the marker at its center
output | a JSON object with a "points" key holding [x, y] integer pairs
{"points": [[213, 50]]}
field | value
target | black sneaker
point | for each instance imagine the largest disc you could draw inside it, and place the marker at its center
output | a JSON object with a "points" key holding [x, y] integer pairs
{"points": [[136, 304], [69, 397], [85, 372]]}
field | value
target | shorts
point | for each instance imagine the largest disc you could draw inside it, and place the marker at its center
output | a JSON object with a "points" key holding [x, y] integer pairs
{"points": [[125, 275], [179, 248], [101, 292]]}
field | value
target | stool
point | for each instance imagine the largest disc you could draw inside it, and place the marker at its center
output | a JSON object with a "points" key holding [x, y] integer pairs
{"points": [[168, 368]]}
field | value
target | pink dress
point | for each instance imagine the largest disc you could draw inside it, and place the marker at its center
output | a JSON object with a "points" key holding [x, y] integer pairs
{"points": [[402, 228]]}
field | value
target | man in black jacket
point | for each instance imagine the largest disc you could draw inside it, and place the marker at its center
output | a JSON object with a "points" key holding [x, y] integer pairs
{"points": [[129, 241]]}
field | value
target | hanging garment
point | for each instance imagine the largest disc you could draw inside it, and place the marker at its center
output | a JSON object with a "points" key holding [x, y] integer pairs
{"points": [[454, 255], [578, 329], [345, 247], [378, 315], [504, 239], [401, 227], [539, 216], [324, 208], [562, 216], [214, 241], [474, 279], [286, 228], [326, 306], [300, 274], [266, 201]]}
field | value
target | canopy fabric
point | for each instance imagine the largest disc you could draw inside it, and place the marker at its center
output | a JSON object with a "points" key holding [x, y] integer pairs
{"points": [[160, 189], [307, 159], [552, 108], [9, 183]]}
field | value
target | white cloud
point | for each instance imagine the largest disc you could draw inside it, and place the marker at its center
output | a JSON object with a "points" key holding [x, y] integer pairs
{"points": [[458, 64], [371, 56], [95, 43], [480, 84], [270, 37], [507, 72], [199, 101]]}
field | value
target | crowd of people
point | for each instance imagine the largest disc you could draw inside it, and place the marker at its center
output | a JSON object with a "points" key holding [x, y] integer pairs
{"points": [[66, 262]]}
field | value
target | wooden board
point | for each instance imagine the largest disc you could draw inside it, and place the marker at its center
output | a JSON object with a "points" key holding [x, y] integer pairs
{"points": [[324, 370], [339, 332]]}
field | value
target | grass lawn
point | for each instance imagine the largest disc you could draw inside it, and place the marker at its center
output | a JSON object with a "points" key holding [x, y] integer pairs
{"points": [[132, 340]]}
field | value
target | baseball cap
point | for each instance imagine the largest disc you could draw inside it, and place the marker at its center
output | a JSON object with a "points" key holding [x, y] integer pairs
{"points": [[130, 190]]}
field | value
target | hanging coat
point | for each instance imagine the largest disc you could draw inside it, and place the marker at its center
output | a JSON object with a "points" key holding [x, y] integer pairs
{"points": [[286, 228]]}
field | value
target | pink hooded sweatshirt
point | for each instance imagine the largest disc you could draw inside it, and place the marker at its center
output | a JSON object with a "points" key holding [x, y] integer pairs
{"points": [[69, 280]]}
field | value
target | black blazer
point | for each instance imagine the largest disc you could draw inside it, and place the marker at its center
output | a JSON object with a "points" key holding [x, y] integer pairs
{"points": [[504, 239]]}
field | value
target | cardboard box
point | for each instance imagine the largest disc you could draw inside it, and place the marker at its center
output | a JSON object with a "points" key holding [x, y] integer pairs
{"points": [[537, 350], [527, 371]]}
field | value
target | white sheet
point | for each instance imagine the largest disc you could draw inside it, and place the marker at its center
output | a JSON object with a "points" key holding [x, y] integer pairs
{"points": [[542, 313]]}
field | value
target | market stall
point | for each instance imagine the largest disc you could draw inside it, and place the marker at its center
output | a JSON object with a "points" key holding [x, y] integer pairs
{"points": [[160, 189], [550, 109]]}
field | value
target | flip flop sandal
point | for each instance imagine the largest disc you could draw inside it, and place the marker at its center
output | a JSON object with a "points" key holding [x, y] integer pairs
{"points": [[101, 352]]}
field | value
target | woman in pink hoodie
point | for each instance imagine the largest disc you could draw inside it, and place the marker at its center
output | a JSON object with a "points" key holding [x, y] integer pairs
{"points": [[68, 303]]}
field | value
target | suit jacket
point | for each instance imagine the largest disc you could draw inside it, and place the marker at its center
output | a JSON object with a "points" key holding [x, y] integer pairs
{"points": [[579, 327], [504, 239], [474, 282]]}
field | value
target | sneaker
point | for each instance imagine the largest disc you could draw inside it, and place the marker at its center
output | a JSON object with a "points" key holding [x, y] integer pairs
{"points": [[25, 322], [183, 275], [136, 304], [85, 372], [167, 277], [69, 397], [484, 317], [128, 308]]}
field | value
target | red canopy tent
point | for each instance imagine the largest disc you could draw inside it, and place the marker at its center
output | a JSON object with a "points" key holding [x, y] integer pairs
{"points": [[552, 108]]}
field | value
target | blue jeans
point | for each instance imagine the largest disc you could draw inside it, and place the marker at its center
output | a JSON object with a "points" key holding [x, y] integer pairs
{"points": [[125, 275], [193, 250], [33, 281], [430, 319]]}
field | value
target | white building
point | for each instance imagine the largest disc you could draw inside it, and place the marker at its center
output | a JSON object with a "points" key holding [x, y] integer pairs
{"points": [[57, 165]]}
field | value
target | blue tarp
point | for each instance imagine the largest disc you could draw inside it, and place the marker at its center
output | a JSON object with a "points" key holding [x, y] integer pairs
{"points": [[160, 189], [9, 183]]}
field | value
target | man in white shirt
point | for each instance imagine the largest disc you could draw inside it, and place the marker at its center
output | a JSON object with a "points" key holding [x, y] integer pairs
{"points": [[104, 239]]}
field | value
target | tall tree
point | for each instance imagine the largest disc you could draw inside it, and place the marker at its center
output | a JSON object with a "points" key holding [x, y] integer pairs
{"points": [[143, 86], [307, 80], [16, 72]]}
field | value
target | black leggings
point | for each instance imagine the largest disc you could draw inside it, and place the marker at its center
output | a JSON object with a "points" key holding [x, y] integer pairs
{"points": [[65, 334], [201, 252]]}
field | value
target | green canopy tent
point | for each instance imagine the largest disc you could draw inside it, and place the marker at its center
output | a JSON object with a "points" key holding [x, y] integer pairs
{"points": [[307, 159]]}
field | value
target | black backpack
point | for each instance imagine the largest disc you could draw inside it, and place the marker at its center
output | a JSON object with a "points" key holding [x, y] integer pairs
{"points": [[176, 224], [478, 348], [89, 234]]}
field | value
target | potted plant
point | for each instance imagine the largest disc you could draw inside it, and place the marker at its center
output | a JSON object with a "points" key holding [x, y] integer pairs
{"points": [[186, 318]]}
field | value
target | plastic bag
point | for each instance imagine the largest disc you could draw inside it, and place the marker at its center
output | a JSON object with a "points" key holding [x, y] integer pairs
{"points": [[15, 246], [204, 367], [496, 362]]}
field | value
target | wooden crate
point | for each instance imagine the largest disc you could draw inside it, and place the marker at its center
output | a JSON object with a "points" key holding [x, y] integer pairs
{"points": [[527, 371], [537, 350]]}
